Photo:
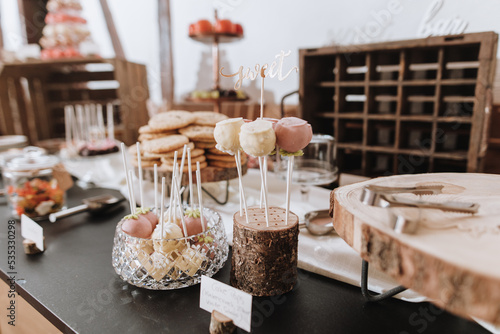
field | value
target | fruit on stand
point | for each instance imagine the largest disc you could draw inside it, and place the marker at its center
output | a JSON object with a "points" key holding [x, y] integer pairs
{"points": [[217, 94]]}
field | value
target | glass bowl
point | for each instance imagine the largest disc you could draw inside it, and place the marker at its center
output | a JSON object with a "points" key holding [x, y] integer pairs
{"points": [[165, 264]]}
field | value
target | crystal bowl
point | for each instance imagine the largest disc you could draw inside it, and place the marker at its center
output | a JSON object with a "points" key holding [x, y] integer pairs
{"points": [[165, 264]]}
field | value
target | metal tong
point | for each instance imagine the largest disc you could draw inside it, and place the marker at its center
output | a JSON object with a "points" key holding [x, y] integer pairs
{"points": [[94, 204], [384, 197]]}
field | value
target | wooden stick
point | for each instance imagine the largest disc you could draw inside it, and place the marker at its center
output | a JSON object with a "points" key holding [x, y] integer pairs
{"points": [[176, 185], [220, 324], [263, 185], [156, 188], [141, 195], [67, 124], [181, 170], [124, 158], [242, 190], [162, 204], [200, 200]]}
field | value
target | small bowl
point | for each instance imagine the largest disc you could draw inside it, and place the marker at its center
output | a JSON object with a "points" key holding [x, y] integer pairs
{"points": [[165, 264]]}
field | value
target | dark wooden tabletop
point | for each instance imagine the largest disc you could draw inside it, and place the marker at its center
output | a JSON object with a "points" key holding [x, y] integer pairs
{"points": [[75, 287]]}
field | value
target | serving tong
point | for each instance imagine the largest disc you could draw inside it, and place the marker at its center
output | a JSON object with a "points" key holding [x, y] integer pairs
{"points": [[384, 197]]}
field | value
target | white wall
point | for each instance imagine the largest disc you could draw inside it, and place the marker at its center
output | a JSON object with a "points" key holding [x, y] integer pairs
{"points": [[272, 26]]}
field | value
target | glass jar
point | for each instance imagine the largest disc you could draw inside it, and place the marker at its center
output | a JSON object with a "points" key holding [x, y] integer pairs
{"points": [[31, 186]]}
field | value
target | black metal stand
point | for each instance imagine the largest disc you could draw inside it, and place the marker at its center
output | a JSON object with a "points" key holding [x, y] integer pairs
{"points": [[223, 202], [376, 297]]}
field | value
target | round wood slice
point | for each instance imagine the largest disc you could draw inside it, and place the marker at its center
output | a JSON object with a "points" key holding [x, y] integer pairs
{"points": [[208, 174], [453, 258], [264, 261]]}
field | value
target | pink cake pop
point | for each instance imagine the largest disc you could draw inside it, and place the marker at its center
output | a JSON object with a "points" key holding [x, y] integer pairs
{"points": [[149, 215], [292, 134]]}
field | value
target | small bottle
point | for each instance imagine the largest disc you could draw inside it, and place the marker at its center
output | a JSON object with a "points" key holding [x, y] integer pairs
{"points": [[31, 186]]}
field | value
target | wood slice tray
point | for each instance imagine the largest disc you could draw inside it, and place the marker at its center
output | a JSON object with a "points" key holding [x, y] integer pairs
{"points": [[208, 174], [453, 259]]}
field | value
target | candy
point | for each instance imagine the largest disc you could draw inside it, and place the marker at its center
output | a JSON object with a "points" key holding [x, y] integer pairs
{"points": [[292, 134], [137, 226], [257, 138], [226, 134]]}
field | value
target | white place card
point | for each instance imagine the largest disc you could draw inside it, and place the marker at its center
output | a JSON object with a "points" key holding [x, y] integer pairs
{"points": [[32, 231], [231, 302]]}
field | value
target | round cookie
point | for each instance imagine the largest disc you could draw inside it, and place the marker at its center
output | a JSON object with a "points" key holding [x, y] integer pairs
{"points": [[171, 120], [170, 168], [169, 154], [194, 160], [222, 164], [198, 132], [209, 118], [165, 144], [151, 136]]}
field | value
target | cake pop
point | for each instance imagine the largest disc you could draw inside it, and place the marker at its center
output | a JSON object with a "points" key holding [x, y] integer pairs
{"points": [[167, 242], [257, 138], [226, 134], [292, 134]]}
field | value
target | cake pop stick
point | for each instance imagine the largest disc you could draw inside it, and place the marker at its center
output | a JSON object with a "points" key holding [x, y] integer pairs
{"points": [[181, 170], [74, 127], [156, 189], [131, 177], [263, 185], [176, 185], [288, 186], [124, 158], [200, 200], [190, 175], [100, 123], [111, 122], [141, 195], [87, 123], [170, 210], [162, 203], [242, 190]]}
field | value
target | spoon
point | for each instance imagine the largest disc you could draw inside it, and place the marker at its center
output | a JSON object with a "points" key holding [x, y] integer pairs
{"points": [[94, 204], [314, 222]]}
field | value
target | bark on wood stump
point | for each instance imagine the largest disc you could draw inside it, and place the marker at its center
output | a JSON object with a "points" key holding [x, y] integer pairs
{"points": [[264, 261], [220, 324]]}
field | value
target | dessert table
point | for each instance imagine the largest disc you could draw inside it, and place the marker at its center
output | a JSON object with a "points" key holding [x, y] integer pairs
{"points": [[73, 285]]}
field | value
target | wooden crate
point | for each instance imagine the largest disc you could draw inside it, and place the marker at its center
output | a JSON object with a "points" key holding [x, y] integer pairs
{"points": [[33, 95], [402, 107]]}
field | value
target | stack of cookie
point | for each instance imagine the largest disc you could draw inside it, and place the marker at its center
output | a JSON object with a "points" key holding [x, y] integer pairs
{"points": [[168, 132]]}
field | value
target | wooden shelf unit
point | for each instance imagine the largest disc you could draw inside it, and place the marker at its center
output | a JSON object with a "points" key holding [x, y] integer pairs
{"points": [[403, 107]]}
